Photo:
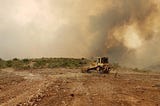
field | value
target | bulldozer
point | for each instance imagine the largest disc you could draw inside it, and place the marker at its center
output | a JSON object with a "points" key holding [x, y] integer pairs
{"points": [[101, 65]]}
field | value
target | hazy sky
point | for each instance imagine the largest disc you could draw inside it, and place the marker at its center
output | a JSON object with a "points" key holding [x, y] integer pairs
{"points": [[36, 28], [128, 31]]}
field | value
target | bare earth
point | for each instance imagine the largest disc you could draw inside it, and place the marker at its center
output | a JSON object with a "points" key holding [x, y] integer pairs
{"points": [[70, 87]]}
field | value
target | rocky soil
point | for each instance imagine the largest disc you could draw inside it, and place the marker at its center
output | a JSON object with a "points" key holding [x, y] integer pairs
{"points": [[70, 87]]}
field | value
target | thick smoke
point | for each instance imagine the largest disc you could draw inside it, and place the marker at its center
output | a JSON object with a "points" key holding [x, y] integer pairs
{"points": [[126, 30], [44, 28]]}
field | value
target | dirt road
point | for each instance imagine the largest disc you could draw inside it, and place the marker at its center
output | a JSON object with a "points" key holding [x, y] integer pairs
{"points": [[69, 87]]}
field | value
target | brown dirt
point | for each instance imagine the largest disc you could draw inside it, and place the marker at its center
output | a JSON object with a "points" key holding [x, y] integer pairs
{"points": [[69, 87]]}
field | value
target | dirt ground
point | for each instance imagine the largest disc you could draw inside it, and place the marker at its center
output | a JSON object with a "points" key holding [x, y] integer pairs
{"points": [[70, 87]]}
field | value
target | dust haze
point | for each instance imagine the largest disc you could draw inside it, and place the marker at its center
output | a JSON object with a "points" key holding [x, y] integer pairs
{"points": [[127, 30]]}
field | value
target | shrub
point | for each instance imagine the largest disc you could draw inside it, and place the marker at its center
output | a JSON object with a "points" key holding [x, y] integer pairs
{"points": [[39, 63], [26, 61], [9, 63], [2, 63], [43, 63], [15, 59]]}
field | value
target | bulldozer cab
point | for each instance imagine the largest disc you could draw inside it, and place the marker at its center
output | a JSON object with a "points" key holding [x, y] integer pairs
{"points": [[102, 60]]}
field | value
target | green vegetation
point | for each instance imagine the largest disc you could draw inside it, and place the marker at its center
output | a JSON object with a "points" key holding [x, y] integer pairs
{"points": [[2, 63], [43, 63]]}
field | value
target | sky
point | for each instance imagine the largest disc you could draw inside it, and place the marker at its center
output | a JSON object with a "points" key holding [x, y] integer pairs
{"points": [[36, 28], [127, 31]]}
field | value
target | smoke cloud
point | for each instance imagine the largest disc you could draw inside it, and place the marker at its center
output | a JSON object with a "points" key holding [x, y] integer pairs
{"points": [[127, 31]]}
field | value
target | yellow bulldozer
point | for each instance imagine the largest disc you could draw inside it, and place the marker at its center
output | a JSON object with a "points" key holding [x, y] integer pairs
{"points": [[101, 65]]}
